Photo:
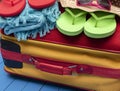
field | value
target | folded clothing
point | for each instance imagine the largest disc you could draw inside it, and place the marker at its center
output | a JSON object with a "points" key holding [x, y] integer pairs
{"points": [[31, 22]]}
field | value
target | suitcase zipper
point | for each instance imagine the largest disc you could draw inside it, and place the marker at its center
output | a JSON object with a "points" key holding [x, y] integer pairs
{"points": [[61, 68]]}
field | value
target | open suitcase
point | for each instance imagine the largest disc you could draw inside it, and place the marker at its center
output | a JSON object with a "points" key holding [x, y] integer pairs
{"points": [[81, 62]]}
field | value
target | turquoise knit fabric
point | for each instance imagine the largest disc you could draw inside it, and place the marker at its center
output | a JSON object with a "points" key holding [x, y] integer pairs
{"points": [[31, 22]]}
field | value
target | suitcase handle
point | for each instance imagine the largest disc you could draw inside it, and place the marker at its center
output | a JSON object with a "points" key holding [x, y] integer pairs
{"points": [[61, 69], [51, 68]]}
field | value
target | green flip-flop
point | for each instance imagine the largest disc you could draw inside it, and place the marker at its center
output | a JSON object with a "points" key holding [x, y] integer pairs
{"points": [[71, 22], [100, 25]]}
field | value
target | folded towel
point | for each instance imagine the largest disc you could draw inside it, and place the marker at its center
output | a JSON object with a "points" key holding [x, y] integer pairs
{"points": [[31, 22]]}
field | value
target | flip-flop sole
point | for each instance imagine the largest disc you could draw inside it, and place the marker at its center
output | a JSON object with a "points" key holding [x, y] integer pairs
{"points": [[105, 28], [69, 33], [9, 10], [39, 4], [65, 26]]}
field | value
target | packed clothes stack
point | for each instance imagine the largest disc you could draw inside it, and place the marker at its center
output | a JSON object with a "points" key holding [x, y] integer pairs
{"points": [[70, 42]]}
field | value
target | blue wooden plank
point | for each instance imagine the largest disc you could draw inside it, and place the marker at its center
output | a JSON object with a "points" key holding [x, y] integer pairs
{"points": [[5, 80], [34, 85], [3, 74], [1, 58], [1, 61], [10, 83], [16, 85], [5, 84], [49, 87]]}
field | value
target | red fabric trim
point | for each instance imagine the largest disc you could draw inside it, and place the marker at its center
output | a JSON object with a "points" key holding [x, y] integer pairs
{"points": [[61, 67], [99, 71], [15, 56], [11, 55]]}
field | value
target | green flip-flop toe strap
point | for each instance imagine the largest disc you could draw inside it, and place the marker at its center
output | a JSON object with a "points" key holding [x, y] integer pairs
{"points": [[98, 16], [71, 22], [103, 15], [75, 13]]}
